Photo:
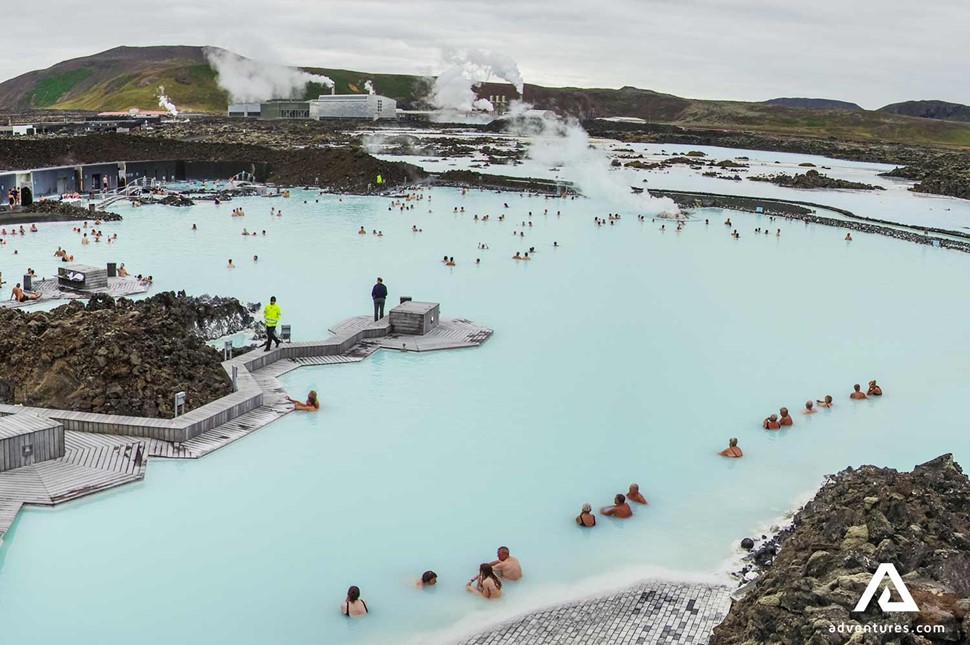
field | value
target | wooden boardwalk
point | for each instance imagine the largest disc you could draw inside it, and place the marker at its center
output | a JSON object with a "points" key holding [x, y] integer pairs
{"points": [[99, 455], [49, 290], [91, 464]]}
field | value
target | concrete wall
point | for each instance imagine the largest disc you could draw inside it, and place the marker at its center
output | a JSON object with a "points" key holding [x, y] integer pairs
{"points": [[223, 169], [91, 174], [154, 170], [54, 181]]}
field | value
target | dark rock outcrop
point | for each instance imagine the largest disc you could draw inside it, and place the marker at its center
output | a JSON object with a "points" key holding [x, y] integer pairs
{"points": [[813, 179], [57, 211], [177, 200], [930, 110], [919, 522], [118, 357]]}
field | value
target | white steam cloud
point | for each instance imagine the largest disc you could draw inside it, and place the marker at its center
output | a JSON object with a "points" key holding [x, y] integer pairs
{"points": [[453, 89], [369, 86], [164, 102], [248, 81], [564, 143]]}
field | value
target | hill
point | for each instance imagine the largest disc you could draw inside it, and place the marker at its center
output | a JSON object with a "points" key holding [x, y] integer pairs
{"points": [[127, 77], [930, 110], [822, 104]]}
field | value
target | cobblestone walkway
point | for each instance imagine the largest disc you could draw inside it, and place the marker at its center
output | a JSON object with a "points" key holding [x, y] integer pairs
{"points": [[652, 613]]}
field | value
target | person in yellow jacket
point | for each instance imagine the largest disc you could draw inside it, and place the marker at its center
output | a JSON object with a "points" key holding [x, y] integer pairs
{"points": [[271, 316]]}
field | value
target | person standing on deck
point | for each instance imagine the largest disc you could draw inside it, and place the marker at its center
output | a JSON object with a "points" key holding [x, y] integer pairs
{"points": [[379, 295], [271, 317]]}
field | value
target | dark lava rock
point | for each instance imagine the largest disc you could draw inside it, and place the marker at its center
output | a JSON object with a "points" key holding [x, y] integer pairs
{"points": [[813, 179], [176, 200], [118, 357], [65, 211], [747, 543], [919, 522]]}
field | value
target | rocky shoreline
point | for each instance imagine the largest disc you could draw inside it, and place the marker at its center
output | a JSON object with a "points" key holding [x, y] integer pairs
{"points": [[48, 210], [340, 169], [799, 211], [813, 179], [939, 171], [118, 357], [815, 573]]}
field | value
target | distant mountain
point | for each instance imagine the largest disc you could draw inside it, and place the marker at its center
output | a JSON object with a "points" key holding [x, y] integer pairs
{"points": [[129, 77], [930, 110], [817, 104]]}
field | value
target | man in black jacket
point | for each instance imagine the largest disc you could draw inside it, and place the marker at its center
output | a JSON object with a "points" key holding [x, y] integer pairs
{"points": [[379, 294]]}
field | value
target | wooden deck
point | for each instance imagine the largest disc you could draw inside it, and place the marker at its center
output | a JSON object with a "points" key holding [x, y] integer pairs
{"points": [[49, 290], [99, 454], [91, 464]]}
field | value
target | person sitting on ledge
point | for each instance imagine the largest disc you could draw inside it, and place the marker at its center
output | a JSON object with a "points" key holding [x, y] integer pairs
{"points": [[771, 423], [619, 509], [122, 272], [857, 394], [312, 404], [634, 494], [353, 606], [785, 419], [19, 295], [586, 519], [732, 450], [826, 402], [427, 579], [487, 584], [809, 408], [874, 390]]}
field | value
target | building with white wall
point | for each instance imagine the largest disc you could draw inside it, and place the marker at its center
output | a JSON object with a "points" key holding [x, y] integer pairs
{"points": [[353, 106]]}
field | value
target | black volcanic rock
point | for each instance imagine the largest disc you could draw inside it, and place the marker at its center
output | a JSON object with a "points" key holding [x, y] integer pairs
{"points": [[118, 357], [919, 522], [813, 179]]}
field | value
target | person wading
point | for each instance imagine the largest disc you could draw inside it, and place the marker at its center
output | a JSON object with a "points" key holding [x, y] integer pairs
{"points": [[271, 316], [379, 294]]}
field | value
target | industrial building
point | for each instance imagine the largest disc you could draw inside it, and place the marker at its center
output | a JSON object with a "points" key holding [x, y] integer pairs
{"points": [[329, 106]]}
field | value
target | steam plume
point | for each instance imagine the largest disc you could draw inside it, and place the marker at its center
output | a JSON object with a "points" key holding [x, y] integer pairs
{"points": [[249, 81], [164, 102], [555, 141], [369, 86], [453, 89]]}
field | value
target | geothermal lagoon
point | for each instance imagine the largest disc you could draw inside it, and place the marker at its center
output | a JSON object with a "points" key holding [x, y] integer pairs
{"points": [[624, 354]]}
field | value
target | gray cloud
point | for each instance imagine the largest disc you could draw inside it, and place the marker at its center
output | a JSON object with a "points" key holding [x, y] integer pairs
{"points": [[868, 51]]}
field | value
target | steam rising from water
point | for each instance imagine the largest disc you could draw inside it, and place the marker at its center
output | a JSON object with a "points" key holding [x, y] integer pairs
{"points": [[164, 102], [563, 142], [369, 86], [248, 81], [453, 89]]}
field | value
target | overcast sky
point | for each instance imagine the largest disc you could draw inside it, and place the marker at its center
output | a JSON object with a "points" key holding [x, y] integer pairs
{"points": [[871, 52]]}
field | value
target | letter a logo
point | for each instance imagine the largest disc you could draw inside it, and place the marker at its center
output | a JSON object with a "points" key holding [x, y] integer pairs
{"points": [[906, 604]]}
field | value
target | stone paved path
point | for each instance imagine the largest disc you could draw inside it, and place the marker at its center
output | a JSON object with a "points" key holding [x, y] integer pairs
{"points": [[652, 613]]}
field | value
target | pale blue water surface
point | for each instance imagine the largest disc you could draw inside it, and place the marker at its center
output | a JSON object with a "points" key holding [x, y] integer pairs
{"points": [[627, 354]]}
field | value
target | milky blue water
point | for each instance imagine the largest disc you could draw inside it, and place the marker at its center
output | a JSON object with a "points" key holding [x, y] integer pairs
{"points": [[626, 354]]}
